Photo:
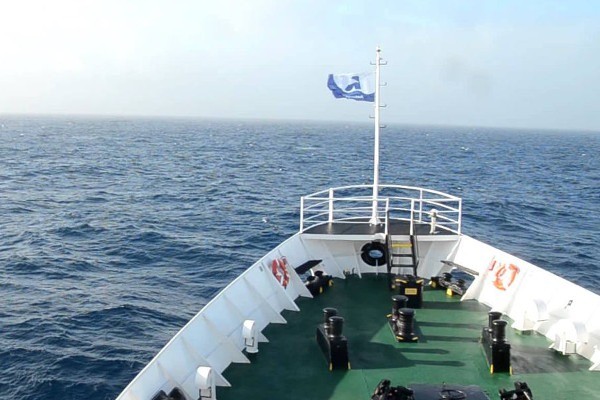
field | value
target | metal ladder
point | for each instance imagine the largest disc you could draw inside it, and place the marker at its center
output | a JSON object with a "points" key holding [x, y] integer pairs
{"points": [[403, 254]]}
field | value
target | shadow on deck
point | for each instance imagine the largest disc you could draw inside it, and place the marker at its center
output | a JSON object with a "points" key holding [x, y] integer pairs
{"points": [[291, 365], [361, 226]]}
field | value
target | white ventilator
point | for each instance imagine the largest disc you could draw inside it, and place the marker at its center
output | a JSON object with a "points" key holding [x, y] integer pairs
{"points": [[567, 335], [205, 382], [595, 359], [534, 312], [434, 216], [250, 335]]}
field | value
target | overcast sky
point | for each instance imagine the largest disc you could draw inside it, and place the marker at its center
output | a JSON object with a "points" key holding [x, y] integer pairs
{"points": [[482, 63]]}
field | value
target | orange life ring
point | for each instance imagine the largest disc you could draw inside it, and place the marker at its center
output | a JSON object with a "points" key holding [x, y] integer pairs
{"points": [[505, 276], [279, 269]]}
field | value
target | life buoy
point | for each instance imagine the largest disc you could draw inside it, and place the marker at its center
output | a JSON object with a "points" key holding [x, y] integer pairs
{"points": [[279, 269], [505, 276], [374, 254]]}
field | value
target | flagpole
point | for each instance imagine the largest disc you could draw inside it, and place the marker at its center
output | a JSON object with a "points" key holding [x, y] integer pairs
{"points": [[374, 218]]}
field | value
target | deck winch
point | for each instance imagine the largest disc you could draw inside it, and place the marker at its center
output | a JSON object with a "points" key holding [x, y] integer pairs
{"points": [[521, 392], [493, 339], [333, 344], [385, 391], [446, 282], [458, 287], [441, 281], [317, 283]]}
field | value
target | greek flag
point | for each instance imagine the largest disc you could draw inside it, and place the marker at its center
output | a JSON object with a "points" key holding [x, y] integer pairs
{"points": [[359, 87]]}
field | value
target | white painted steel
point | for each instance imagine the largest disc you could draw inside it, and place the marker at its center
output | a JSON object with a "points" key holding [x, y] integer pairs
{"points": [[412, 217], [595, 359], [250, 335], [375, 213], [387, 216], [301, 213], [330, 205], [567, 314], [404, 187], [213, 338], [205, 382], [433, 218], [354, 204]]}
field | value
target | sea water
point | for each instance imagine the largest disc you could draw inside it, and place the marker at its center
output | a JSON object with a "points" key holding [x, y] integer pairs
{"points": [[115, 232]]}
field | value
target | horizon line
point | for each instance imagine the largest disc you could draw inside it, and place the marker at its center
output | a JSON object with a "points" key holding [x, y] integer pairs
{"points": [[288, 119]]}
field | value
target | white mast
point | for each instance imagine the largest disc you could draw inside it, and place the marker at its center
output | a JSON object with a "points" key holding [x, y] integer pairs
{"points": [[374, 219]]}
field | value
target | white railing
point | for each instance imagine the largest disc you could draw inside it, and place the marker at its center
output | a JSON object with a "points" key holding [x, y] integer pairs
{"points": [[354, 204]]}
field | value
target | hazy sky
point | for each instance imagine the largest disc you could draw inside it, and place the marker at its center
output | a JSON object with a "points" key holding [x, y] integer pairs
{"points": [[500, 63]]}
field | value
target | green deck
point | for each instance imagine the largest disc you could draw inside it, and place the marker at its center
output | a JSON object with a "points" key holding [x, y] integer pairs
{"points": [[291, 365]]}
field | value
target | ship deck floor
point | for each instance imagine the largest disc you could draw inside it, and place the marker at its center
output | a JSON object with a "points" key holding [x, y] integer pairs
{"points": [[292, 366], [361, 226]]}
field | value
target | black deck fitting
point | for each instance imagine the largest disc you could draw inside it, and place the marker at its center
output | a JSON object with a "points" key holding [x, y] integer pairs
{"points": [[333, 344], [496, 348]]}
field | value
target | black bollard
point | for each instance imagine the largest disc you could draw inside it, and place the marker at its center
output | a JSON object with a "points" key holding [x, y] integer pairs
{"points": [[493, 316], [398, 301], [327, 313], [499, 331], [336, 325], [405, 325]]}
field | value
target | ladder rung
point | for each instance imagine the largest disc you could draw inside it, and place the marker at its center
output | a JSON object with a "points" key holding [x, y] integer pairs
{"points": [[401, 245]]}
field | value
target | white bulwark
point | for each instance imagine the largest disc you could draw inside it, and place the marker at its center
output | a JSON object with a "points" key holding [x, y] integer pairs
{"points": [[535, 299]]}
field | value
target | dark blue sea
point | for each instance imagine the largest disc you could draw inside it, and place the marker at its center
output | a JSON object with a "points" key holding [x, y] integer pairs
{"points": [[115, 232]]}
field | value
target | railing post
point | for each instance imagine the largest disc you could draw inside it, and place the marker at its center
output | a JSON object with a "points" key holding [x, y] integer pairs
{"points": [[301, 214], [420, 205], [412, 215], [330, 205], [459, 215], [387, 214]]}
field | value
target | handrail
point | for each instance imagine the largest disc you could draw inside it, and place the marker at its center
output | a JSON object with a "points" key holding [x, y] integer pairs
{"points": [[354, 204], [412, 217], [384, 187], [387, 215], [301, 213]]}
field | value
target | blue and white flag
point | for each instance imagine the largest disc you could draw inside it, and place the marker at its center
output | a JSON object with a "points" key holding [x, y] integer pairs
{"points": [[359, 87]]}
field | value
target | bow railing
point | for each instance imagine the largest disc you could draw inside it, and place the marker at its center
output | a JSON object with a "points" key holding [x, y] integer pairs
{"points": [[354, 204]]}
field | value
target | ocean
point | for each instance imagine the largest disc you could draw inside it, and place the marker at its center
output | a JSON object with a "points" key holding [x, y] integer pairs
{"points": [[115, 232]]}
